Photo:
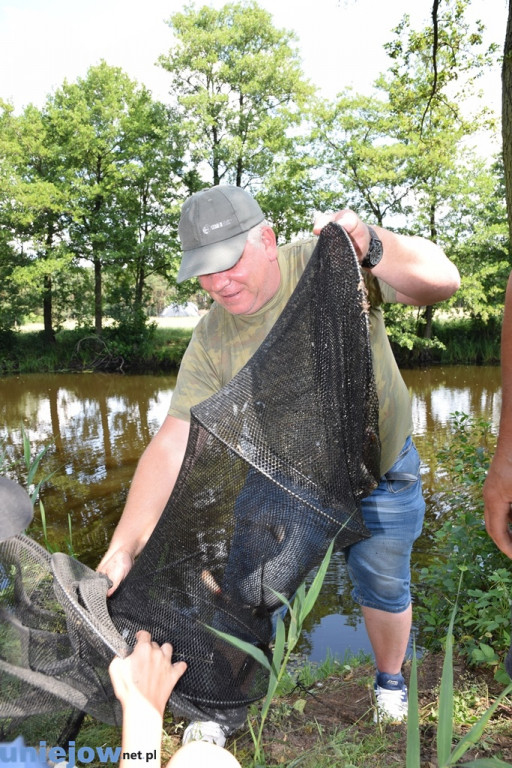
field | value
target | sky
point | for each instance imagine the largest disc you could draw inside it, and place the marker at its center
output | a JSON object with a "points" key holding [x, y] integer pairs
{"points": [[43, 42]]}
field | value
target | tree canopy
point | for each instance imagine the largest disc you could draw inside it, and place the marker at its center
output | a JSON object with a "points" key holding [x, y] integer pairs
{"points": [[93, 182]]}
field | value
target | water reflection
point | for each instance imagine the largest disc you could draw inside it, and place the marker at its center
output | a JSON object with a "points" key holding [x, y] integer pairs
{"points": [[438, 392], [98, 425]]}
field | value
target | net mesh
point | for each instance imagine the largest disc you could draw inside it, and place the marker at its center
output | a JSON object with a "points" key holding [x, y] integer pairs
{"points": [[275, 468]]}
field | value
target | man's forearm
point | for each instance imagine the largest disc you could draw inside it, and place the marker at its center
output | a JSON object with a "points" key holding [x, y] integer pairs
{"points": [[151, 487], [416, 268]]}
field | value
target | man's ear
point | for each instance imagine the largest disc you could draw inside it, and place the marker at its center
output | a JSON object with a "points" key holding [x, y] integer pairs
{"points": [[268, 238]]}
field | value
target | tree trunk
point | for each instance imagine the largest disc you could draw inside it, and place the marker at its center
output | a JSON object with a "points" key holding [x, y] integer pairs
{"points": [[239, 171], [215, 158], [239, 161], [507, 114], [140, 276], [49, 333], [139, 287], [429, 311], [429, 316], [98, 313]]}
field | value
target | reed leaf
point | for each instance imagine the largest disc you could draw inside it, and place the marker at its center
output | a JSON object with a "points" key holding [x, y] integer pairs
{"points": [[317, 583], [487, 762], [70, 540], [282, 599], [242, 645], [34, 465], [26, 447], [412, 759], [295, 624], [445, 717], [44, 527], [279, 647]]}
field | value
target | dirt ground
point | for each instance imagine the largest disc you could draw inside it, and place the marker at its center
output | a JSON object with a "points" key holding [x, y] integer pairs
{"points": [[346, 703]]}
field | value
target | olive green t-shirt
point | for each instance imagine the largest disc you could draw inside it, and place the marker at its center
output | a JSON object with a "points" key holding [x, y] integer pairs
{"points": [[222, 343]]}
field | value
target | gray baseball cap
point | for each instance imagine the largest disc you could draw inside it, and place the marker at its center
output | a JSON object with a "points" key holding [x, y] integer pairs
{"points": [[213, 229]]}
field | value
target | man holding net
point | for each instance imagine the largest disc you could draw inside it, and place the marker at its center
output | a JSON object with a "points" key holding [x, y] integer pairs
{"points": [[232, 250]]}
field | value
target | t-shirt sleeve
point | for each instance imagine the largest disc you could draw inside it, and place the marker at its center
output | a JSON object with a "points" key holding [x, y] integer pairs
{"points": [[387, 292], [196, 381], [379, 292]]}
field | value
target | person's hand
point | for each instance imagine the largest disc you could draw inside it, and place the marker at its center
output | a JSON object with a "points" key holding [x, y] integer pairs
{"points": [[497, 493], [147, 675], [116, 566], [353, 226]]}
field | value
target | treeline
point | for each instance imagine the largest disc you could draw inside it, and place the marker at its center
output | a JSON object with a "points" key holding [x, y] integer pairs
{"points": [[92, 183]]}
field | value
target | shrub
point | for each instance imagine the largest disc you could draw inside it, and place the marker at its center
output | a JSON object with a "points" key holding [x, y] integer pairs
{"points": [[461, 545]]}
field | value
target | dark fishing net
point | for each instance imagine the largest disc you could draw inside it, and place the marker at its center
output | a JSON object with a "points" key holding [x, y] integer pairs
{"points": [[275, 468]]}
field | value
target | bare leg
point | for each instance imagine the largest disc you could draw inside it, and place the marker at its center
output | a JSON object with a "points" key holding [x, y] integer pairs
{"points": [[389, 636]]}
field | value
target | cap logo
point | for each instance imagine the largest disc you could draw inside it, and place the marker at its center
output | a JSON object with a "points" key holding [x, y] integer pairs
{"points": [[218, 225]]}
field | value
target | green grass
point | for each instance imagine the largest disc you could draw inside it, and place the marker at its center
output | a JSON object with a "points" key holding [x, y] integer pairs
{"points": [[161, 346], [303, 740], [74, 350], [467, 341]]}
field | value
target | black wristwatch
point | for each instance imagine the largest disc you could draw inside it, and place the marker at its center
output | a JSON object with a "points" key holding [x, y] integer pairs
{"points": [[374, 253]]}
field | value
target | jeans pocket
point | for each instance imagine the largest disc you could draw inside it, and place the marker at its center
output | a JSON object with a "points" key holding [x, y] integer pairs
{"points": [[405, 472]]}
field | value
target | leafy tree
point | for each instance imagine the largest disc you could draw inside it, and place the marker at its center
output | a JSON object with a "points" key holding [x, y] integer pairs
{"points": [[10, 309], [399, 155], [35, 211], [289, 194], [474, 230], [151, 197], [238, 85], [434, 95], [120, 157], [11, 303], [365, 154]]}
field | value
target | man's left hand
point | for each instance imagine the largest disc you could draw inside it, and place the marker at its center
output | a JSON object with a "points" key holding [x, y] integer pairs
{"points": [[353, 226]]}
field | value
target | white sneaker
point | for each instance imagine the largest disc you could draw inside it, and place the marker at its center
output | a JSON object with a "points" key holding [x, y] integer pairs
{"points": [[206, 730], [390, 698]]}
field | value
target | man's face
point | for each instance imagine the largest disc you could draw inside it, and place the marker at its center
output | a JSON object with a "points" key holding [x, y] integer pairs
{"points": [[251, 282]]}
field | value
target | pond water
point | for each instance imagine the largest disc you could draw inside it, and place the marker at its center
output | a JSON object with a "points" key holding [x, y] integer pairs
{"points": [[97, 425]]}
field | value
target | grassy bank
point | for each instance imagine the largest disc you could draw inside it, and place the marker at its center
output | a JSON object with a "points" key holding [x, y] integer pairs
{"points": [[455, 341], [468, 341], [323, 718], [160, 347]]}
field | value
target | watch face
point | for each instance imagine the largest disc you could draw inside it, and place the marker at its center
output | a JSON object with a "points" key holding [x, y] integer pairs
{"points": [[374, 254]]}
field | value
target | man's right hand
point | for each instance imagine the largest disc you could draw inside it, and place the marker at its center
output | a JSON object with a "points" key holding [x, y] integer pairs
{"points": [[116, 565]]}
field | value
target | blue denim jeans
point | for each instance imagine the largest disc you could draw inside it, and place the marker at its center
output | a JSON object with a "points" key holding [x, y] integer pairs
{"points": [[379, 567]]}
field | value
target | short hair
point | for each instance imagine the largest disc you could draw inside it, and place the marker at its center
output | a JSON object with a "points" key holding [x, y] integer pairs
{"points": [[254, 236]]}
